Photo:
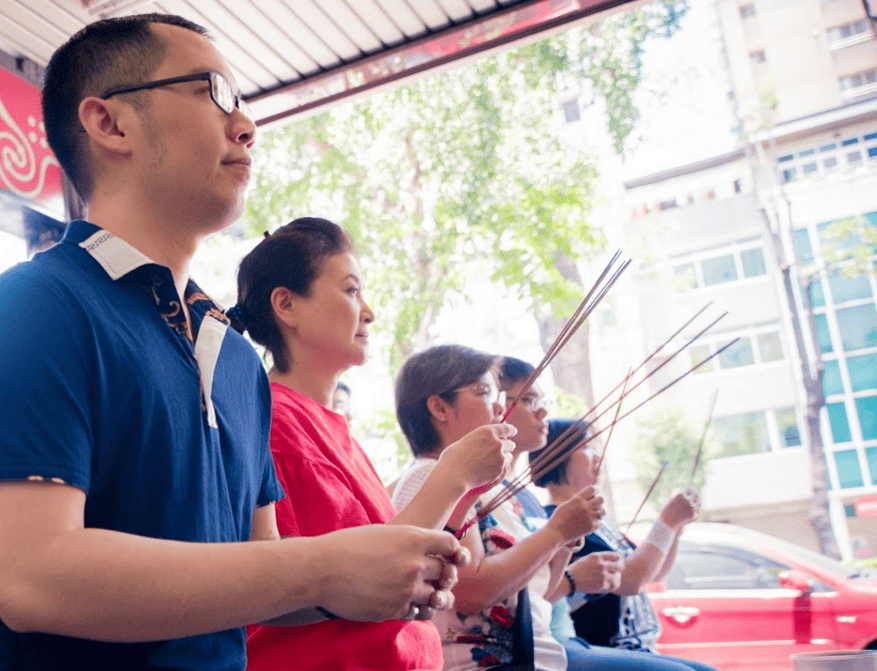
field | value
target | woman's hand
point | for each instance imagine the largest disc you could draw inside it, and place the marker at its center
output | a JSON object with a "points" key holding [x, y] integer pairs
{"points": [[578, 516], [597, 573], [681, 509], [481, 458]]}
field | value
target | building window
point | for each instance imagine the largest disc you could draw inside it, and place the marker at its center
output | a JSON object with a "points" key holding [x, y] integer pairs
{"points": [[849, 474], [863, 372], [741, 262], [837, 420], [770, 347], [858, 327], [787, 423], [718, 270], [849, 33], [752, 348], [757, 57], [861, 82], [747, 11], [832, 383], [756, 432], [571, 111], [741, 434], [866, 409], [844, 290]]}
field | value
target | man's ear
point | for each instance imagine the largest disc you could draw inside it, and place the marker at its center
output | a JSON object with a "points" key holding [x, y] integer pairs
{"points": [[283, 305], [439, 408], [106, 122]]}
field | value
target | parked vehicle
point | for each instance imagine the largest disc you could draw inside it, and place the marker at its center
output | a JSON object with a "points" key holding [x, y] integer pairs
{"points": [[742, 600]]}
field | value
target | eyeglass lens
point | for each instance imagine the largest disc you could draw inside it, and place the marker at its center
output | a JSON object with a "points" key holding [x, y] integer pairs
{"points": [[224, 96]]}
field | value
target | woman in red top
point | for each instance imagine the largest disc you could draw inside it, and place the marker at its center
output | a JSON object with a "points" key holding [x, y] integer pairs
{"points": [[300, 295]]}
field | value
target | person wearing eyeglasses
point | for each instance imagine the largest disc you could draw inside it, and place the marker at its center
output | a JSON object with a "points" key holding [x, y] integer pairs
{"points": [[301, 295], [503, 617], [134, 457]]}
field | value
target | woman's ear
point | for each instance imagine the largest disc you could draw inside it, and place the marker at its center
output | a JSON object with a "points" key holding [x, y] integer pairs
{"points": [[439, 408], [283, 305]]}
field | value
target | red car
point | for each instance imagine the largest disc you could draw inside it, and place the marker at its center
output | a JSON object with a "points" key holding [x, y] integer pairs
{"points": [[740, 599]]}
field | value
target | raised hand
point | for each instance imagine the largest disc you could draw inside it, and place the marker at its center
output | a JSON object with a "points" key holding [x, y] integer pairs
{"points": [[482, 457], [681, 509], [578, 516]]}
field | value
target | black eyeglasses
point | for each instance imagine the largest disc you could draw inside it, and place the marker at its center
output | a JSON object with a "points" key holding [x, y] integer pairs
{"points": [[221, 92]]}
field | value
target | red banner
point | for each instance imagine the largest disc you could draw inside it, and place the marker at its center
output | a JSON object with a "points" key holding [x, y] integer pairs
{"points": [[27, 166]]}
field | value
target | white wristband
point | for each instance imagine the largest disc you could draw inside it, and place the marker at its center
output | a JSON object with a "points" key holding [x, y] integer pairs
{"points": [[661, 536]]}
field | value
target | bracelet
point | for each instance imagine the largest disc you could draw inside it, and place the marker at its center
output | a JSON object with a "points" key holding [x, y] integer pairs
{"points": [[661, 536], [572, 582], [453, 532], [325, 613]]}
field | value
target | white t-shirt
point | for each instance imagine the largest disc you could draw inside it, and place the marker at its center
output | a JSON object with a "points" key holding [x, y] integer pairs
{"points": [[467, 640]]}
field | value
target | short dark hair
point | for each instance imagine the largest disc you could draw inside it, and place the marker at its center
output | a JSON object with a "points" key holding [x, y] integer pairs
{"points": [[556, 428], [437, 371], [107, 53], [512, 371], [292, 257], [341, 386]]}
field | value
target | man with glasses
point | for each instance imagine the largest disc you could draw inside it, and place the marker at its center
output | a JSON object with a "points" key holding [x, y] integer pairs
{"points": [[134, 461]]}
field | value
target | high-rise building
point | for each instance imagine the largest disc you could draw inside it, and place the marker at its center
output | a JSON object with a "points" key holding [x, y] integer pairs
{"points": [[802, 79]]}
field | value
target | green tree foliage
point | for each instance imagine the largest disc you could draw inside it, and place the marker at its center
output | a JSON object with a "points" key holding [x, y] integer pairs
{"points": [[462, 168], [669, 434], [849, 245]]}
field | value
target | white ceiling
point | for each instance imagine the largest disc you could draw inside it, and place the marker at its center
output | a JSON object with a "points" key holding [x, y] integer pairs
{"points": [[293, 55]]}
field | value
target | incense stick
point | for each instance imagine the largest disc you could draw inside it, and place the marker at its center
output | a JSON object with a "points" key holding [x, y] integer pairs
{"points": [[664, 465], [562, 442], [612, 426], [511, 489], [706, 427], [582, 312]]}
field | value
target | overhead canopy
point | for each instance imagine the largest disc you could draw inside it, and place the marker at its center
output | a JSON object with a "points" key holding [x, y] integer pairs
{"points": [[291, 56]]}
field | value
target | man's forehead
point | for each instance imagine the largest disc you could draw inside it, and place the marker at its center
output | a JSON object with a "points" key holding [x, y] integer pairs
{"points": [[188, 52]]}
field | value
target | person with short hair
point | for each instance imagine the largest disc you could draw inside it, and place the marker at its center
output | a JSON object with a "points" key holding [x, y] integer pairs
{"points": [[134, 462], [618, 625], [503, 616]]}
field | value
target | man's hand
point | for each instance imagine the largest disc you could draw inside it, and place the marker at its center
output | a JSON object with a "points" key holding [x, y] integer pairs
{"points": [[383, 572], [578, 516], [482, 457], [597, 573]]}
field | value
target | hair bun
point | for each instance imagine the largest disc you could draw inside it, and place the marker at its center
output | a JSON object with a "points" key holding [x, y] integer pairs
{"points": [[235, 314]]}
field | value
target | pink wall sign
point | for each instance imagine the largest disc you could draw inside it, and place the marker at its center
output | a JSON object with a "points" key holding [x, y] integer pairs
{"points": [[27, 166]]}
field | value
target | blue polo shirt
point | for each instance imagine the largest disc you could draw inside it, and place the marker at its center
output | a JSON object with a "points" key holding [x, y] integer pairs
{"points": [[102, 388]]}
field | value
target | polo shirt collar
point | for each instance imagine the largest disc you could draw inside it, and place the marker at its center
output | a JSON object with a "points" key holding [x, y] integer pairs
{"points": [[114, 255]]}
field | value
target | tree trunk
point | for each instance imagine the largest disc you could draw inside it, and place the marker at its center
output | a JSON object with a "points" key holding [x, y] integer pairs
{"points": [[820, 518]]}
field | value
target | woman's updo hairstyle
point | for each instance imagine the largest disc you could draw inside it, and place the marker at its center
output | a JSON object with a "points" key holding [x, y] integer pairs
{"points": [[292, 257]]}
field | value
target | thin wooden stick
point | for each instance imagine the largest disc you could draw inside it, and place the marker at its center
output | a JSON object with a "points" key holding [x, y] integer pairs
{"points": [[550, 452], [612, 426], [530, 475], [706, 426], [664, 465], [582, 312]]}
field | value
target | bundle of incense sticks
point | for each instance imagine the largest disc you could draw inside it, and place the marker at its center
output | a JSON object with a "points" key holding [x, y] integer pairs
{"points": [[560, 449], [582, 312]]}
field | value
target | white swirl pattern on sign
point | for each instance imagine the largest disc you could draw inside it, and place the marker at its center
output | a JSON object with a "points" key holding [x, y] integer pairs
{"points": [[18, 163]]}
